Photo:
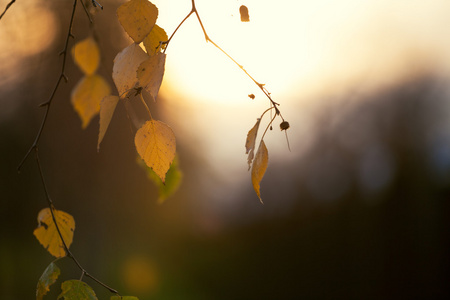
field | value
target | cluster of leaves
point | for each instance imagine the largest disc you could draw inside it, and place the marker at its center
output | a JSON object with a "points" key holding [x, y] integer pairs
{"points": [[137, 69]]}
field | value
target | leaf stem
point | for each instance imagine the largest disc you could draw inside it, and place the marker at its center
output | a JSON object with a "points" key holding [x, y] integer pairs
{"points": [[146, 106]]}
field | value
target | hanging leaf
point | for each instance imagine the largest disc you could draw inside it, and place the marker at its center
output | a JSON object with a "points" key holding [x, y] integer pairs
{"points": [[76, 290], [47, 278], [86, 55], [47, 234], [87, 95], [123, 298], [173, 179], [259, 167], [155, 143], [250, 142], [243, 10], [137, 18], [124, 70], [150, 74], [153, 41], [107, 108]]}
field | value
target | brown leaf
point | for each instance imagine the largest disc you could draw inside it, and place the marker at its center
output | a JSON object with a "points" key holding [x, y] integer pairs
{"points": [[107, 108], [259, 167], [250, 142]]}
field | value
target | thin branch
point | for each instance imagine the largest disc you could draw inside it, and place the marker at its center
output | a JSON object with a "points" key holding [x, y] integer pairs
{"points": [[48, 103], [35, 145], [6, 8], [208, 39]]}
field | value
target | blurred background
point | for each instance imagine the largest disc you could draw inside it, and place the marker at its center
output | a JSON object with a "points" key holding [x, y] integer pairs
{"points": [[358, 209]]}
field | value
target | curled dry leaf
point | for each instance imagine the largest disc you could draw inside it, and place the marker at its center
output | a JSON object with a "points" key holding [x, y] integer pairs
{"points": [[150, 74], [154, 39], [259, 167], [47, 278], [126, 63], [250, 142], [86, 55], [107, 108], [47, 234], [155, 143], [137, 18], [76, 290], [87, 95]]}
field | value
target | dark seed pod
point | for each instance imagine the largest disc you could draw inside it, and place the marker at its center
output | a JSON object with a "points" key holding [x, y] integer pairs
{"points": [[271, 127], [243, 10], [284, 125]]}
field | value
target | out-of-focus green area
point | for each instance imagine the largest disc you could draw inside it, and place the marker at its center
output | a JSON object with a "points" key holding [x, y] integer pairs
{"points": [[362, 213]]}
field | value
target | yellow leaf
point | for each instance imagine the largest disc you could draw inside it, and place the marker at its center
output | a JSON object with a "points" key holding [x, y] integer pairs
{"points": [[250, 142], [259, 167], [107, 108], [150, 74], [47, 234], [137, 18], [86, 55], [86, 97], [153, 40], [47, 278], [155, 143], [125, 66]]}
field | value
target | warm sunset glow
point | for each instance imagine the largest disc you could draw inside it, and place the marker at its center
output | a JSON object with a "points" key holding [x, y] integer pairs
{"points": [[304, 51]]}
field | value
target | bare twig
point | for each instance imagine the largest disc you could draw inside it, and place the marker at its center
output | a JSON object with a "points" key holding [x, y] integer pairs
{"points": [[208, 39], [35, 147], [6, 8]]}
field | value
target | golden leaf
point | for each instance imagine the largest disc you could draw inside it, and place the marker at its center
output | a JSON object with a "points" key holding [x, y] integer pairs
{"points": [[47, 234], [250, 142], [107, 108], [125, 65], [137, 18], [153, 40], [86, 55], [150, 74], [155, 143], [259, 167], [87, 95]]}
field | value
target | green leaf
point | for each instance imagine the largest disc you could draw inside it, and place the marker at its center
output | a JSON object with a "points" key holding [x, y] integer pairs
{"points": [[123, 298], [173, 179], [259, 167], [48, 278], [76, 290]]}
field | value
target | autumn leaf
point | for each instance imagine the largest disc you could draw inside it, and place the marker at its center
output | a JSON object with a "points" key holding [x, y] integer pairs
{"points": [[76, 290], [123, 298], [107, 108], [137, 18], [250, 142], [125, 65], [172, 183], [86, 55], [155, 143], [47, 278], [47, 234], [87, 95], [154, 39], [150, 74], [259, 167]]}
